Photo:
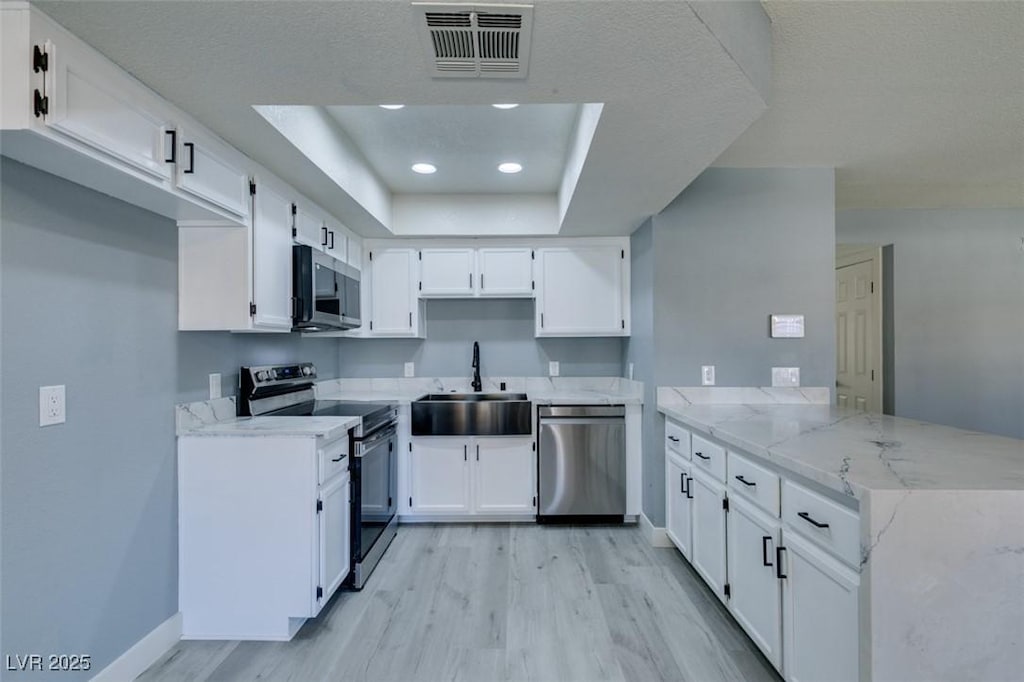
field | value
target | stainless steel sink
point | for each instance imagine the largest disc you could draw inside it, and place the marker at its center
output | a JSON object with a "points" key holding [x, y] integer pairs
{"points": [[472, 414]]}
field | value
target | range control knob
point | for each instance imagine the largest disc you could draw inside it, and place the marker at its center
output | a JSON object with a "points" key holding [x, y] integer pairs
{"points": [[307, 370], [261, 376], [273, 374]]}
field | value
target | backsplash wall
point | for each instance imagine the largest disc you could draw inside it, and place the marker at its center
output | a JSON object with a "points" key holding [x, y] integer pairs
{"points": [[505, 330]]}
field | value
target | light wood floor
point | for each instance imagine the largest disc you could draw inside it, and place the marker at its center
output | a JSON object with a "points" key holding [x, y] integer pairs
{"points": [[502, 602]]}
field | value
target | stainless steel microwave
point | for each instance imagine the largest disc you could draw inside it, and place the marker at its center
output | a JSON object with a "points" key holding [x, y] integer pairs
{"points": [[325, 292]]}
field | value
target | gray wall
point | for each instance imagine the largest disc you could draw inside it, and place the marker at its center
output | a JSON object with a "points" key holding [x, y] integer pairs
{"points": [[88, 298], [734, 247], [505, 330], [958, 312]]}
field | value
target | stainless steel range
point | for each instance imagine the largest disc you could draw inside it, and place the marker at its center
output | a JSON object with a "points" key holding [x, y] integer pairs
{"points": [[287, 391]]}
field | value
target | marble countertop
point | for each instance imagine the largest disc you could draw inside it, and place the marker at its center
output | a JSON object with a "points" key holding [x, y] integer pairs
{"points": [[854, 452], [328, 428]]}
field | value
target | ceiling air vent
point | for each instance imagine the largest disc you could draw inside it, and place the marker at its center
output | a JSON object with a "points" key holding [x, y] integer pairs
{"points": [[476, 41]]}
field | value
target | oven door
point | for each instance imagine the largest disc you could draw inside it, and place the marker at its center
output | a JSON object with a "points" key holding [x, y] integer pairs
{"points": [[375, 492]]}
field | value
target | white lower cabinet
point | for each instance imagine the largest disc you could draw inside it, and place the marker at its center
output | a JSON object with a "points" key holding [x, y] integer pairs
{"points": [[754, 587], [819, 613], [333, 521], [472, 476], [679, 503], [708, 555]]}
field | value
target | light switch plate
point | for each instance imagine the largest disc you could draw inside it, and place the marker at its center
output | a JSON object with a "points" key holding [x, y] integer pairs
{"points": [[707, 375], [214, 385], [410, 369], [785, 376], [51, 405], [553, 368]]}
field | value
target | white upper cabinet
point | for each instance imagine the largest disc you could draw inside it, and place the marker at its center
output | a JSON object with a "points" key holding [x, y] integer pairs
{"points": [[210, 171], [272, 258], [582, 290], [310, 227], [394, 308], [337, 242], [505, 272], [447, 272]]}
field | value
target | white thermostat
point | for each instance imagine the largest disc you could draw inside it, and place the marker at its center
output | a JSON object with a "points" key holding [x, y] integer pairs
{"points": [[787, 327]]}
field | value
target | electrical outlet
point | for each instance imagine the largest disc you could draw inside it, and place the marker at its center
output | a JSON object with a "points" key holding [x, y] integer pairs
{"points": [[707, 375], [785, 376], [553, 368], [51, 405], [214, 386], [410, 369]]}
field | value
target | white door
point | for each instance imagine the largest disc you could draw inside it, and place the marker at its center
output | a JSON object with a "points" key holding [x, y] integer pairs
{"points": [[94, 102], [755, 589], [392, 292], [858, 340], [336, 243], [819, 613], [333, 520], [272, 258], [506, 272], [503, 479], [678, 516], [354, 250], [447, 272], [439, 476], [579, 291], [208, 171], [709, 530], [309, 227]]}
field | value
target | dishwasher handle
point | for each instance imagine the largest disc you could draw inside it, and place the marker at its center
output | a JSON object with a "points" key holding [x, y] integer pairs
{"points": [[580, 421], [580, 411]]}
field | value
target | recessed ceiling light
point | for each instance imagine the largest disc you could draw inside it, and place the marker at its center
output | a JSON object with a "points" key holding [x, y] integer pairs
{"points": [[391, 107], [504, 106], [510, 167], [424, 168]]}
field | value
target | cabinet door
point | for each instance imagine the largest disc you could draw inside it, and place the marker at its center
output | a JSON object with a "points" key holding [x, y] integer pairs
{"points": [[447, 272], [755, 590], [97, 104], [272, 258], [505, 272], [439, 476], [333, 521], [579, 291], [709, 530], [309, 227], [678, 504], [354, 257], [393, 292], [206, 170], [337, 244], [819, 613], [503, 480]]}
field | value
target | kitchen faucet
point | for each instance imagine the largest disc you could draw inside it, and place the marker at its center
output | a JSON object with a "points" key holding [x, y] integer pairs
{"points": [[477, 384]]}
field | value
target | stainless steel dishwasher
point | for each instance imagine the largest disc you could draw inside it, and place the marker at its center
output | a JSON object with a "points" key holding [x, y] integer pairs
{"points": [[582, 463]]}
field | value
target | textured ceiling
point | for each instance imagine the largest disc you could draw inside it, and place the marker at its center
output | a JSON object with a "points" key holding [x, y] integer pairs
{"points": [[674, 96], [466, 143], [914, 103]]}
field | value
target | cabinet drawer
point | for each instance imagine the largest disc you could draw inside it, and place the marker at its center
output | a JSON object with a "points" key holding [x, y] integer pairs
{"points": [[708, 456], [826, 523], [333, 458], [677, 439], [755, 482]]}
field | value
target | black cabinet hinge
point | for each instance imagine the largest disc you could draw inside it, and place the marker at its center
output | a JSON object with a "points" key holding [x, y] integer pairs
{"points": [[534, 500], [725, 503], [872, 375], [252, 187], [410, 447], [623, 324], [252, 310], [295, 209], [371, 325], [391, 447], [40, 104], [419, 254], [295, 232], [872, 287], [534, 446], [728, 590], [389, 501], [533, 255], [371, 255], [319, 592], [421, 286], [40, 60], [319, 506]]}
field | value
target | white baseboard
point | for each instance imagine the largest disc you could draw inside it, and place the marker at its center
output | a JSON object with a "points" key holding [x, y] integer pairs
{"points": [[143, 653], [655, 535]]}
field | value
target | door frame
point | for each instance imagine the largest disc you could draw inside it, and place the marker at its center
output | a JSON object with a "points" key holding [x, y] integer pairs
{"points": [[852, 254]]}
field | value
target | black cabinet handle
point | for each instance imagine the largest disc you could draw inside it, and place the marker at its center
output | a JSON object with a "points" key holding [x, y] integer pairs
{"points": [[689, 487], [323, 241], [340, 457], [764, 550], [332, 239], [465, 453], [673, 439], [481, 280], [478, 452], [471, 280], [682, 484], [174, 146], [778, 563], [807, 517], [745, 481], [701, 455], [191, 157]]}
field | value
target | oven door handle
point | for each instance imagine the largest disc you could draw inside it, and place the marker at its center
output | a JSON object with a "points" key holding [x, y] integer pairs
{"points": [[378, 437]]}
